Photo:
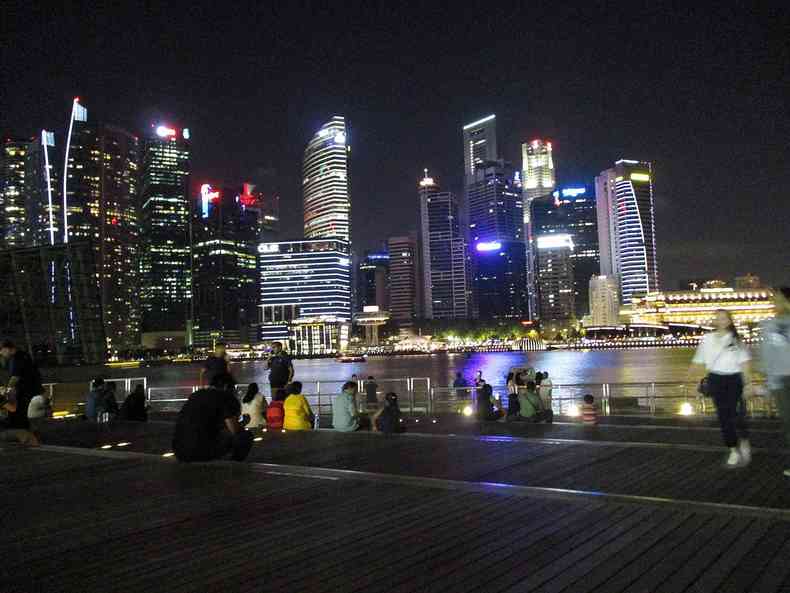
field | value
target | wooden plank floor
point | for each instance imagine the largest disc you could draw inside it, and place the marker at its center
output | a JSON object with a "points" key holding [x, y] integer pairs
{"points": [[88, 521]]}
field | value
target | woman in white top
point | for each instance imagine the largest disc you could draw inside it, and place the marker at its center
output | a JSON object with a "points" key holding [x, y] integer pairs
{"points": [[253, 406], [726, 361]]}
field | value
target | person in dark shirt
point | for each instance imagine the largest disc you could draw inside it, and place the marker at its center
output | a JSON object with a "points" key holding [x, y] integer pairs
{"points": [[485, 405], [216, 363], [389, 418], [24, 384], [208, 425], [370, 391], [281, 368], [133, 407]]}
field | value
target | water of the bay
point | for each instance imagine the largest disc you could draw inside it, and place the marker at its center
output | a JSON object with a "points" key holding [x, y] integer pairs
{"points": [[565, 367]]}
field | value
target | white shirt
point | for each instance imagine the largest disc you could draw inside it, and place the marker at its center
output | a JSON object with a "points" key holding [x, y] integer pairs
{"points": [[39, 407], [721, 354], [256, 410], [545, 388]]}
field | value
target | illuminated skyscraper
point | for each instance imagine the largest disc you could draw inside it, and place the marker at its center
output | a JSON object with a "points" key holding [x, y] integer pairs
{"points": [[626, 227], [497, 251], [555, 278], [479, 145], [604, 301], [100, 183], [571, 211], [373, 281], [325, 182], [165, 275], [14, 231], [443, 253], [43, 190], [405, 283], [224, 267]]}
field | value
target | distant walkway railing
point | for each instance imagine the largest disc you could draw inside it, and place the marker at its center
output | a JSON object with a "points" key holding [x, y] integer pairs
{"points": [[418, 396]]}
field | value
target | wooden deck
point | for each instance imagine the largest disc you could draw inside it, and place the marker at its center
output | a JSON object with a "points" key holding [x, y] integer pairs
{"points": [[336, 512]]}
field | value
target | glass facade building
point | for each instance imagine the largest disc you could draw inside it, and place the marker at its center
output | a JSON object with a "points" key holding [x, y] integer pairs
{"points": [[309, 279], [443, 252], [556, 295], [14, 228], [626, 227], [405, 297], [373, 281], [480, 144], [42, 189], [497, 249], [165, 271], [325, 179], [572, 211]]}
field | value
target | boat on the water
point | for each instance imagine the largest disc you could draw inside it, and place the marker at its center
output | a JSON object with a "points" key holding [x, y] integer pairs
{"points": [[350, 358]]}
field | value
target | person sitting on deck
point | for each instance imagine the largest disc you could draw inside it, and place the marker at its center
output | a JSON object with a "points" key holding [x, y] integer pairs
{"points": [[24, 383], [133, 407], [298, 415], [485, 405], [275, 413], [589, 413], [208, 426], [389, 418], [371, 388], [253, 407], [345, 415], [531, 406], [512, 397]]}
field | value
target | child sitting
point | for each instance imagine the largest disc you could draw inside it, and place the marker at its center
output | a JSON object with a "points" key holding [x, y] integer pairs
{"points": [[275, 413], [388, 418], [589, 413]]}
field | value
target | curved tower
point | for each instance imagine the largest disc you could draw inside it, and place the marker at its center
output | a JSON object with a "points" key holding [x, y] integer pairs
{"points": [[327, 200]]}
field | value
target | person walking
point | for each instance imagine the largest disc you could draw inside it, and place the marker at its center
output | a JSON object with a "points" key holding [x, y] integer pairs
{"points": [[216, 364], [775, 357], [726, 361], [253, 407], [281, 368]]}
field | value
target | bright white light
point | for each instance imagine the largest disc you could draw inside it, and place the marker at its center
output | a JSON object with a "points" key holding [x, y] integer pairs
{"points": [[106, 447], [557, 241], [479, 121], [268, 248], [572, 192], [165, 132], [185, 133], [340, 138], [257, 439], [574, 411], [168, 454], [344, 261], [686, 409], [489, 246], [467, 411], [323, 132], [123, 444]]}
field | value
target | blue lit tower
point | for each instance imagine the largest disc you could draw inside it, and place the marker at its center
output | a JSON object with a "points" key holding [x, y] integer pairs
{"points": [[43, 190], [626, 227], [165, 282]]}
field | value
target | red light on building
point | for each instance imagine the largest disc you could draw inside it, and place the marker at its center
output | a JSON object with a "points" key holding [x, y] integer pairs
{"points": [[113, 220], [247, 198]]}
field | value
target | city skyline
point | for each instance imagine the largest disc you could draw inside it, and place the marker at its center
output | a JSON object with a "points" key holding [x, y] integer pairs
{"points": [[401, 127]]}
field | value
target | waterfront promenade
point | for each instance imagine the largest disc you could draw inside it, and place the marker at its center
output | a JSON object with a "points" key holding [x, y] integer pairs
{"points": [[641, 509]]}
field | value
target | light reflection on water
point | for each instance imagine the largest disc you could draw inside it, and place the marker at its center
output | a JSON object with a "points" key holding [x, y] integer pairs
{"points": [[615, 366]]}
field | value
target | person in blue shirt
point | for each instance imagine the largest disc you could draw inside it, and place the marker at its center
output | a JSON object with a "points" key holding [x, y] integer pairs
{"points": [[345, 415]]}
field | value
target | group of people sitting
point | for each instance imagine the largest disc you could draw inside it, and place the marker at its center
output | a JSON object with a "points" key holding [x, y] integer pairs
{"points": [[101, 404], [528, 398]]}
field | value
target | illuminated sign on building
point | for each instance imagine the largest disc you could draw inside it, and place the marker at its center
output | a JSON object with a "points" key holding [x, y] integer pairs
{"points": [[489, 246], [247, 198], [640, 177], [558, 241], [269, 248], [165, 132], [208, 196], [572, 192]]}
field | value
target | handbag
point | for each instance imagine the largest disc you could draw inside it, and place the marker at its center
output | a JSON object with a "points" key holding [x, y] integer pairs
{"points": [[704, 384]]}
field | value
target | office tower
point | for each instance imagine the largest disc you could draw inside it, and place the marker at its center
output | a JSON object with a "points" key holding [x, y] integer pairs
{"points": [[303, 280], [604, 301], [373, 281], [497, 251], [266, 209], [480, 145], [165, 274], [13, 213], [626, 227], [555, 278], [747, 282], [443, 253], [572, 211], [224, 267], [325, 181], [537, 179], [43, 191], [100, 183], [405, 297]]}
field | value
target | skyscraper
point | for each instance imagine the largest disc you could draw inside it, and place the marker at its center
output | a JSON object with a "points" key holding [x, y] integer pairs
{"points": [[43, 191], [302, 280], [555, 278], [480, 144], [373, 281], [443, 252], [537, 179], [224, 267], [405, 297], [572, 211], [266, 209], [497, 251], [100, 206], [626, 227], [327, 199], [14, 230], [165, 279], [604, 301]]}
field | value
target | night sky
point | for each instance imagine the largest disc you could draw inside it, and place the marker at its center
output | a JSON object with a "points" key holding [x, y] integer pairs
{"points": [[702, 91]]}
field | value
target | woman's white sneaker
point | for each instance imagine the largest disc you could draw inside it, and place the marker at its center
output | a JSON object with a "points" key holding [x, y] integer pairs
{"points": [[787, 473], [733, 459]]}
